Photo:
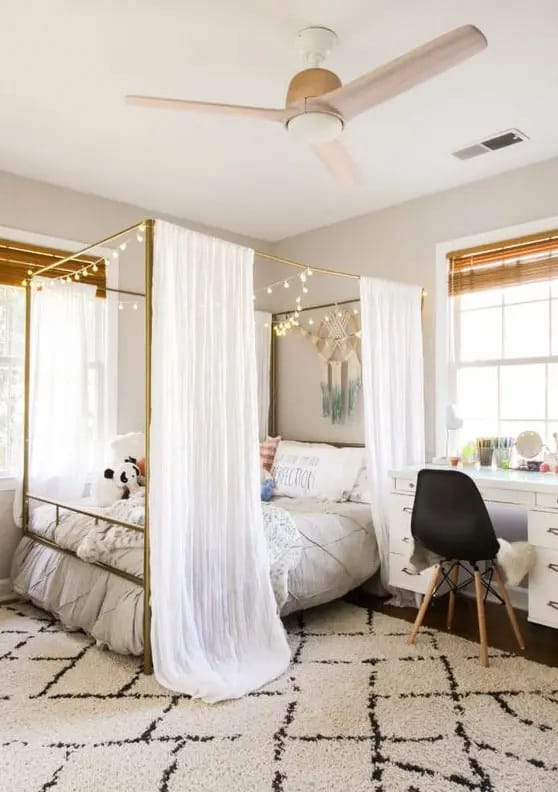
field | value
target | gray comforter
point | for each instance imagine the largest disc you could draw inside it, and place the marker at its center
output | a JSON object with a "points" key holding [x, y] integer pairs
{"points": [[318, 551]]}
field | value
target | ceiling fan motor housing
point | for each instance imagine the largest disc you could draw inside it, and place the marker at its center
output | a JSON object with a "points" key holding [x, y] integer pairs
{"points": [[310, 83]]}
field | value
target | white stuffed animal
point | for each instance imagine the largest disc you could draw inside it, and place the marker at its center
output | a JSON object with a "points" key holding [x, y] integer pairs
{"points": [[126, 477]]}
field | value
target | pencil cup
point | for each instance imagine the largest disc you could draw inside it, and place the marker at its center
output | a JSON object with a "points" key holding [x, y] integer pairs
{"points": [[485, 456]]}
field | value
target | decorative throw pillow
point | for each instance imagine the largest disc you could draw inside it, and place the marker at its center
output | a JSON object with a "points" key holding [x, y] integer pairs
{"points": [[312, 470], [267, 451]]}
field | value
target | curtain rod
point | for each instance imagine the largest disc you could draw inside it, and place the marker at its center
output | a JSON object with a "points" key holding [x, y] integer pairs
{"points": [[91, 247], [317, 307], [299, 265]]}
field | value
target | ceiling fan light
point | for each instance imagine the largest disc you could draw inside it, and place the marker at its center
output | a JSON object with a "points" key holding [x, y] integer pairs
{"points": [[315, 126]]}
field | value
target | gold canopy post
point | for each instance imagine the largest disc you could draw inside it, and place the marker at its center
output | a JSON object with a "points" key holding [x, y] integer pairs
{"points": [[26, 408], [147, 655]]}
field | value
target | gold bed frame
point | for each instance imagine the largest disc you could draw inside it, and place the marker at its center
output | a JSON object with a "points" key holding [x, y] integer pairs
{"points": [[145, 582]]}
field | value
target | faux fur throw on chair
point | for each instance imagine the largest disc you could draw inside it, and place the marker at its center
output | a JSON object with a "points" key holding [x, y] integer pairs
{"points": [[515, 559]]}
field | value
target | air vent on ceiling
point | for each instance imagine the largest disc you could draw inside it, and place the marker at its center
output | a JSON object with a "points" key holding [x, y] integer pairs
{"points": [[502, 140]]}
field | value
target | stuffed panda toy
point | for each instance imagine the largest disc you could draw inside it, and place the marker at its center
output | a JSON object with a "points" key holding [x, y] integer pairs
{"points": [[125, 476]]}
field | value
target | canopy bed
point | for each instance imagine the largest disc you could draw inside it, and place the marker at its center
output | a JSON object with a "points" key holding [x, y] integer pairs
{"points": [[96, 566]]}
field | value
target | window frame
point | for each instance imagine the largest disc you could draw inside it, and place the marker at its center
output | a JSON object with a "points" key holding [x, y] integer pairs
{"points": [[7, 480], [443, 320]]}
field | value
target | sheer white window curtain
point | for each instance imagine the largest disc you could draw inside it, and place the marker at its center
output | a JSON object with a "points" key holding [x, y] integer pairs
{"points": [[216, 633], [393, 385], [67, 391], [263, 360]]}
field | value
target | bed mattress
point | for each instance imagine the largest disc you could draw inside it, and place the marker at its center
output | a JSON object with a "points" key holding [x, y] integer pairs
{"points": [[334, 550]]}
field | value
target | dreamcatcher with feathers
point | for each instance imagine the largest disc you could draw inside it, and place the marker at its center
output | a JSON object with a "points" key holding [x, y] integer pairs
{"points": [[336, 341]]}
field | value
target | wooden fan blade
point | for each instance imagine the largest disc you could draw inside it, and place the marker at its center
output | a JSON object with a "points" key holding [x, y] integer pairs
{"points": [[161, 102], [399, 75], [339, 163]]}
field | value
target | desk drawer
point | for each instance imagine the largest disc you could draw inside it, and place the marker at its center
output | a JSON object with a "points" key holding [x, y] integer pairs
{"points": [[405, 485], [547, 499], [543, 529], [543, 588], [400, 509], [497, 495], [400, 577]]}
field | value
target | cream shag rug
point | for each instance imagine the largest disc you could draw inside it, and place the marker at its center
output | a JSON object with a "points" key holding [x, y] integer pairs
{"points": [[358, 710]]}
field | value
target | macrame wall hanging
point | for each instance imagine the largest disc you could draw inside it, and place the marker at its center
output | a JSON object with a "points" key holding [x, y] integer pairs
{"points": [[336, 341]]}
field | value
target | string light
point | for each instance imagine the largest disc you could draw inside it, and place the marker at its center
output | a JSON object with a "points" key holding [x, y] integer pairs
{"points": [[269, 290], [95, 268], [123, 246], [135, 306], [139, 236], [286, 284], [303, 277], [29, 272], [309, 272], [310, 321], [120, 306], [305, 290]]}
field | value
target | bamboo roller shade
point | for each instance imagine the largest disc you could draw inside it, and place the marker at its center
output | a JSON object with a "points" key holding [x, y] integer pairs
{"points": [[17, 258], [521, 260]]}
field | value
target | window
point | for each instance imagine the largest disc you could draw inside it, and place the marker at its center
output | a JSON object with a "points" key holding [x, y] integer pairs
{"points": [[16, 260], [505, 337], [12, 310]]}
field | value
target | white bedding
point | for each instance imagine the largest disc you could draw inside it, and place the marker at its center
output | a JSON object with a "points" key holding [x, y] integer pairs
{"points": [[318, 554]]}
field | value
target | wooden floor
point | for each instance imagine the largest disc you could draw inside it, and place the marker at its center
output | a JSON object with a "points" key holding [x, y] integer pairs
{"points": [[541, 642]]}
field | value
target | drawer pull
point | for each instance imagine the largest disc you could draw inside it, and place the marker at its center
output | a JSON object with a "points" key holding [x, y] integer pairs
{"points": [[407, 572], [553, 567], [552, 531], [409, 510], [552, 604]]}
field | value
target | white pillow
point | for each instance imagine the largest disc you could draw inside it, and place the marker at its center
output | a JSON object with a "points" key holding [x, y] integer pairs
{"points": [[315, 470], [360, 493], [125, 445]]}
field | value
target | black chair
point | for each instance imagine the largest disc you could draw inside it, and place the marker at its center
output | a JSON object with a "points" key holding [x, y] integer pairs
{"points": [[450, 519]]}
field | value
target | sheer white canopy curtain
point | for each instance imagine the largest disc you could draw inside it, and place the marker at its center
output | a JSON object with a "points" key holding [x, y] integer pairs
{"points": [[65, 436], [216, 633], [263, 321], [393, 387]]}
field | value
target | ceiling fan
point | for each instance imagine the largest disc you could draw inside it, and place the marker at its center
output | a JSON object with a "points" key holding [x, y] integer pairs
{"points": [[318, 105]]}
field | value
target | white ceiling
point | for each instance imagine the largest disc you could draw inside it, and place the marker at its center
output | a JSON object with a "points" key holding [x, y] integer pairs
{"points": [[65, 66]]}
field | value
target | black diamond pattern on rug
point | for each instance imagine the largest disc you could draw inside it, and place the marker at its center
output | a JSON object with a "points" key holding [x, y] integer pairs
{"points": [[358, 710]]}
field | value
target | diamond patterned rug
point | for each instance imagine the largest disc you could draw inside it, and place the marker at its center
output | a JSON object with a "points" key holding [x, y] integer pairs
{"points": [[358, 710]]}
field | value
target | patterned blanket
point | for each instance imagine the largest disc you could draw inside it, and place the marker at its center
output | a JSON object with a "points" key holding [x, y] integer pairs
{"points": [[95, 540]]}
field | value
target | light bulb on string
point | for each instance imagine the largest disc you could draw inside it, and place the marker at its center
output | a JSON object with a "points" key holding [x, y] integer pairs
{"points": [[269, 290], [120, 306], [95, 268], [303, 277], [286, 284], [139, 236], [115, 254], [29, 272], [305, 290], [107, 262], [309, 272], [310, 321], [142, 227], [123, 246], [76, 276], [135, 306], [355, 311]]}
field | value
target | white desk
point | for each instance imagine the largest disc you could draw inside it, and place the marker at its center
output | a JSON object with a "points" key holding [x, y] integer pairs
{"points": [[535, 492]]}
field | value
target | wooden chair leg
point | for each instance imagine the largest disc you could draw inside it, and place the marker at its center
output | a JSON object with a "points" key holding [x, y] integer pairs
{"points": [[479, 593], [454, 578], [509, 607], [425, 603]]}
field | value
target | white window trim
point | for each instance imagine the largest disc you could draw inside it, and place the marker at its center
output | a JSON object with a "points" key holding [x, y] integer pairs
{"points": [[442, 317], [8, 482]]}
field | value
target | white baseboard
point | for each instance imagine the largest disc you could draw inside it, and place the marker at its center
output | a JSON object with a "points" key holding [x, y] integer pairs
{"points": [[6, 591]]}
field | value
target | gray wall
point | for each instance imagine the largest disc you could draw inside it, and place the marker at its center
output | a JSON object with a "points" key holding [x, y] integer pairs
{"points": [[400, 243]]}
